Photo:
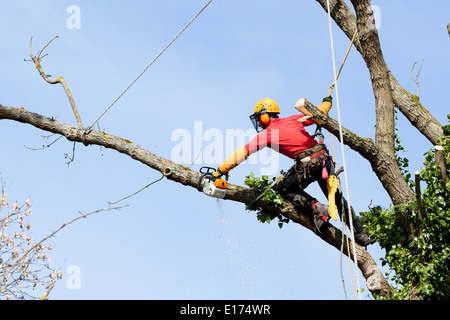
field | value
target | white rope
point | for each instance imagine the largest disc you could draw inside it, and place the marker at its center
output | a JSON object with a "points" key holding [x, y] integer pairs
{"points": [[146, 68], [342, 149]]}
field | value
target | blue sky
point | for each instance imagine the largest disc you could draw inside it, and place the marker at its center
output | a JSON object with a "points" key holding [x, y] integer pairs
{"points": [[173, 242]]}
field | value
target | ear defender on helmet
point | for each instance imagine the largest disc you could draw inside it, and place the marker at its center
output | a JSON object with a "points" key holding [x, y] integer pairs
{"points": [[265, 119]]}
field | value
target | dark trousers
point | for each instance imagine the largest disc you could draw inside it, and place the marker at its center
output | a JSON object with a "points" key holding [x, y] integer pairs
{"points": [[299, 178]]}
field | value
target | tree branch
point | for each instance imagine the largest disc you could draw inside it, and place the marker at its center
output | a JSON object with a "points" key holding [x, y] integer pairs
{"points": [[416, 79], [384, 165], [178, 173], [415, 112], [37, 61], [364, 146]]}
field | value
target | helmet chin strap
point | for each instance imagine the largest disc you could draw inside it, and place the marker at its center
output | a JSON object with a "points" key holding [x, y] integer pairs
{"points": [[264, 126]]}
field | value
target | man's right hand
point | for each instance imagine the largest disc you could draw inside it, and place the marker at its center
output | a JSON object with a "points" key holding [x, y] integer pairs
{"points": [[216, 174]]}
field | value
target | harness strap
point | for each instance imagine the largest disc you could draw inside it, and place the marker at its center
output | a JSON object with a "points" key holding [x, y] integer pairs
{"points": [[310, 151], [312, 156]]}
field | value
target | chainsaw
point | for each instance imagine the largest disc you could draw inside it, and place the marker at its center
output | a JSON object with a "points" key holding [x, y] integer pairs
{"points": [[210, 185]]}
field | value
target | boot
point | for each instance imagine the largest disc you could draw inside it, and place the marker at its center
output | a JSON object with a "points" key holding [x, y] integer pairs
{"points": [[363, 239], [320, 212], [360, 235]]}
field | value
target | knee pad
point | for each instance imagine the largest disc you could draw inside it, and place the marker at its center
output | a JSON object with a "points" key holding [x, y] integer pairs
{"points": [[303, 200]]}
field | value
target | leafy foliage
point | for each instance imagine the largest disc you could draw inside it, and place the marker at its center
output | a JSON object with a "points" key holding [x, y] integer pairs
{"points": [[421, 263], [270, 195]]}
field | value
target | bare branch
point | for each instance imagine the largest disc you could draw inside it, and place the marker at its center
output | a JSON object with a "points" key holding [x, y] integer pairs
{"points": [[44, 146], [416, 80], [37, 61], [5, 275]]}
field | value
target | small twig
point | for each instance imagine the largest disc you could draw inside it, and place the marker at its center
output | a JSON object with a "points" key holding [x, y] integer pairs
{"points": [[49, 288], [131, 195], [198, 155], [416, 80], [4, 277], [37, 61], [73, 155], [43, 147]]}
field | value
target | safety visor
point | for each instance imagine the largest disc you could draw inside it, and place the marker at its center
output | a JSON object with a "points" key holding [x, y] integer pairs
{"points": [[254, 118]]}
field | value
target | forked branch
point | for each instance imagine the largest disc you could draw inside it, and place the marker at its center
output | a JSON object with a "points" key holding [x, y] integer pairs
{"points": [[37, 61], [416, 79]]}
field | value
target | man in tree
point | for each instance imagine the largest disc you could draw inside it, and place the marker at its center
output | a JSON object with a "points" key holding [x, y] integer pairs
{"points": [[312, 160]]}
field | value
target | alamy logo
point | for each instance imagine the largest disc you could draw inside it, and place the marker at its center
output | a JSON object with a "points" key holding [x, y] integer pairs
{"points": [[74, 279], [74, 20], [212, 146], [374, 21]]}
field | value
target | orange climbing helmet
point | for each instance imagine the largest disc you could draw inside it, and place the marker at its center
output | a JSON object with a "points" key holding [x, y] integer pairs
{"points": [[260, 118]]}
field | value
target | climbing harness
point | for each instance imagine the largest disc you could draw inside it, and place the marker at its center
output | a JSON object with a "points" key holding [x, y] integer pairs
{"points": [[335, 86]]}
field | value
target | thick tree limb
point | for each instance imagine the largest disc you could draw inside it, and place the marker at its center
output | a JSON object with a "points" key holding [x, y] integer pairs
{"points": [[384, 165], [178, 173], [418, 116]]}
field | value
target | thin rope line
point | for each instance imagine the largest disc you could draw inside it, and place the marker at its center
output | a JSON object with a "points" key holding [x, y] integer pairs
{"points": [[146, 68], [342, 149]]}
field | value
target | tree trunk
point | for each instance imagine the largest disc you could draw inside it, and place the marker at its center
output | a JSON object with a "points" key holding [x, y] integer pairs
{"points": [[388, 94]]}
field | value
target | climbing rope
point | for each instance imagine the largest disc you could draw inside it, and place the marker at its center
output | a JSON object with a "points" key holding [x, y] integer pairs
{"points": [[335, 85], [151, 63]]}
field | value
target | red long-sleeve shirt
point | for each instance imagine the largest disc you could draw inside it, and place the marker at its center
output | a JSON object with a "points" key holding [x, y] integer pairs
{"points": [[285, 135]]}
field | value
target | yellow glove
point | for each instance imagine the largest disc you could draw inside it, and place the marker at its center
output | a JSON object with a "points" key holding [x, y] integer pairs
{"points": [[238, 156], [217, 174], [324, 107]]}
